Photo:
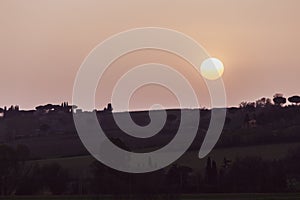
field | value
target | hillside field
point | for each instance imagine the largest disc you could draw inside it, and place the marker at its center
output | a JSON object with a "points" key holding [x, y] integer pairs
{"points": [[80, 164]]}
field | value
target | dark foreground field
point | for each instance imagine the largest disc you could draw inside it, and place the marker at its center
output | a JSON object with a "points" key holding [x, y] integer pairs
{"points": [[179, 197]]}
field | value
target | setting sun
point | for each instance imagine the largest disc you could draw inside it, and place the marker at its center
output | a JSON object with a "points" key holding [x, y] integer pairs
{"points": [[212, 68]]}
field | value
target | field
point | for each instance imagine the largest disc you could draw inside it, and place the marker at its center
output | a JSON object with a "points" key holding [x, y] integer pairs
{"points": [[267, 152], [81, 164], [181, 197]]}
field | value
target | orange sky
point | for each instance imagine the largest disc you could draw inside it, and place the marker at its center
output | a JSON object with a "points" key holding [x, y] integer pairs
{"points": [[43, 43]]}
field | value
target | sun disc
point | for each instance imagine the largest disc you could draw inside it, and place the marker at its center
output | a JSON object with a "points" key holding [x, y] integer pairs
{"points": [[212, 68]]}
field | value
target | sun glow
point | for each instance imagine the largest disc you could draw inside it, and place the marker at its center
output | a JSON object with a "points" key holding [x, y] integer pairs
{"points": [[212, 68]]}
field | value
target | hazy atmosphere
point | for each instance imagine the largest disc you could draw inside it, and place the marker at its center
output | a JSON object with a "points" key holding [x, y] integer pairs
{"points": [[157, 99], [43, 44]]}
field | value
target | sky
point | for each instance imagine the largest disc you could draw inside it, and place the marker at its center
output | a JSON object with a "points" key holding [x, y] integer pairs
{"points": [[43, 43]]}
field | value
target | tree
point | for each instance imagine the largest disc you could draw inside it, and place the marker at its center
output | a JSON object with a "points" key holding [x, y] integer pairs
{"points": [[263, 102], [8, 169], [268, 102], [279, 100], [260, 103], [30, 182], [208, 170], [247, 105], [247, 174], [294, 99], [55, 178], [106, 180], [253, 174], [109, 107], [12, 167], [211, 176], [214, 173]]}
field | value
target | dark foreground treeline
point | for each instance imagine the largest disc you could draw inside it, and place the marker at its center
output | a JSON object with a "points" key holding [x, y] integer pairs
{"points": [[242, 175]]}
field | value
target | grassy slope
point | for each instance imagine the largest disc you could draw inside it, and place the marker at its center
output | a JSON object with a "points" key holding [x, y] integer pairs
{"points": [[268, 152]]}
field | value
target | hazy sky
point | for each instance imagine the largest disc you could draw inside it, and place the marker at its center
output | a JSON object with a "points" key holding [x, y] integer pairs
{"points": [[43, 43]]}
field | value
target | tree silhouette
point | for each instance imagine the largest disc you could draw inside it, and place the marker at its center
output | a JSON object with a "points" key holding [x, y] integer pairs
{"points": [[30, 182], [211, 176], [55, 178], [294, 99], [214, 173], [250, 106], [279, 100], [109, 107], [260, 103], [12, 167], [208, 171], [8, 169]]}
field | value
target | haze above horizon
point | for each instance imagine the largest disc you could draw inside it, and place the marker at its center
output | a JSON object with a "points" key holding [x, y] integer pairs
{"points": [[43, 44]]}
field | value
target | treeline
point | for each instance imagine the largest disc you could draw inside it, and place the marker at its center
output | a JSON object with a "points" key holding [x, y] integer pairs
{"points": [[262, 122], [278, 100], [243, 175], [19, 176]]}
